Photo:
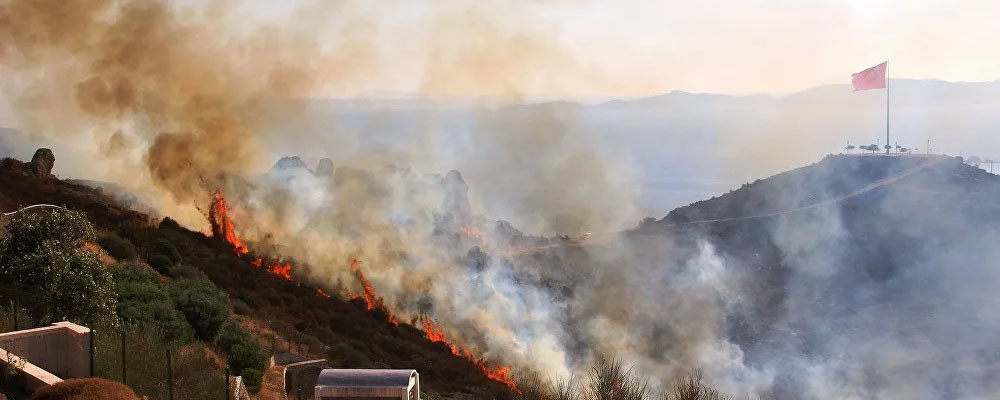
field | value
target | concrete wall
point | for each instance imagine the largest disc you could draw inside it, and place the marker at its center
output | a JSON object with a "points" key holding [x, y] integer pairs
{"points": [[302, 376], [34, 378], [61, 350]]}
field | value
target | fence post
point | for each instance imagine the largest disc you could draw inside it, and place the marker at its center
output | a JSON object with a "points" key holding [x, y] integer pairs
{"points": [[123, 356], [227, 383], [13, 308], [170, 378], [92, 348]]}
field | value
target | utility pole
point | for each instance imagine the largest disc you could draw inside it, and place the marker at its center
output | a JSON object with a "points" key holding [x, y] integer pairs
{"points": [[886, 106]]}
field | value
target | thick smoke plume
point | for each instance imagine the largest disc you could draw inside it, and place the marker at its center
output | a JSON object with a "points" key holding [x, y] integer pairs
{"points": [[182, 101], [819, 304]]}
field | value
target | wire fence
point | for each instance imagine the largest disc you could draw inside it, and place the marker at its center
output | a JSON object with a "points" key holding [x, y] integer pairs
{"points": [[137, 356]]}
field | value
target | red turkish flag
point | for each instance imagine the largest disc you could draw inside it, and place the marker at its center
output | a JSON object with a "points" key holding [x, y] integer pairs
{"points": [[871, 78]]}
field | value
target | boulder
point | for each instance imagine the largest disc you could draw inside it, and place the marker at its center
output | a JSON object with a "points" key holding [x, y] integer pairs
{"points": [[325, 167], [289, 164], [42, 162]]}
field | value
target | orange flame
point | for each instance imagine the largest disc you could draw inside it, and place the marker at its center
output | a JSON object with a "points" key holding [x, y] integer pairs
{"points": [[275, 267], [497, 372], [321, 293], [222, 226], [372, 301], [473, 233]]}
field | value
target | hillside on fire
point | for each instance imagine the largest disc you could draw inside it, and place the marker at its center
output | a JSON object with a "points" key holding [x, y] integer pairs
{"points": [[774, 288], [280, 308]]}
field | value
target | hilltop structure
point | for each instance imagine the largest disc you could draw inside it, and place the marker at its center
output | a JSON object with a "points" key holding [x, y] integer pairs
{"points": [[403, 384]]}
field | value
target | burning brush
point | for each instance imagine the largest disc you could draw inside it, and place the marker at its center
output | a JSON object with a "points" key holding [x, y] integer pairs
{"points": [[224, 229]]}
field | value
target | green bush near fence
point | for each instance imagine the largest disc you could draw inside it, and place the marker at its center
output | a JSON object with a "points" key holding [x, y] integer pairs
{"points": [[202, 304], [246, 357], [142, 301]]}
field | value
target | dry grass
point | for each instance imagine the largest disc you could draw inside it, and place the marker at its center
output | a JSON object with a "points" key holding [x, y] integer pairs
{"points": [[609, 379], [691, 388], [86, 389]]}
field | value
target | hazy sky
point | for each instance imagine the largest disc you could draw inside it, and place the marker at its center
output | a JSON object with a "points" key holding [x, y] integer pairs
{"points": [[638, 47]]}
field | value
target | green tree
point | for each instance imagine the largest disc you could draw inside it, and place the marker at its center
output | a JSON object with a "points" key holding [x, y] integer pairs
{"points": [[202, 304], [160, 263], [143, 301], [43, 253], [246, 357], [166, 248], [119, 248]]}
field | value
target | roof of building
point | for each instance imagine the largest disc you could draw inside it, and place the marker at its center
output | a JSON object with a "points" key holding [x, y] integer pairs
{"points": [[288, 358], [366, 378]]}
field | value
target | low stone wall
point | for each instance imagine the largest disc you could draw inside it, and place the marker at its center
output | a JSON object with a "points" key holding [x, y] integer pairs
{"points": [[53, 352]]}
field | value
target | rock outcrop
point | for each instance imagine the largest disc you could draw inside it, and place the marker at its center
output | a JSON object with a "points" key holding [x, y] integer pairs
{"points": [[289, 163], [325, 167], [42, 162]]}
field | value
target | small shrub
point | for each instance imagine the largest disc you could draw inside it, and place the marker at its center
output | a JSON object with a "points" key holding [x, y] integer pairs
{"points": [[343, 355], [119, 248], [186, 271], [252, 378], [241, 308], [169, 223], [691, 388], [161, 263], [202, 304], [244, 353], [86, 389], [142, 301], [609, 380], [164, 247]]}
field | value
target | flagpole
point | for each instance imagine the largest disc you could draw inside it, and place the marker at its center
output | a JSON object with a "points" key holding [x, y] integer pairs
{"points": [[887, 107]]}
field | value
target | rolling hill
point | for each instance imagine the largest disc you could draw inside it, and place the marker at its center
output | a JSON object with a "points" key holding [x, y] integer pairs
{"points": [[857, 276]]}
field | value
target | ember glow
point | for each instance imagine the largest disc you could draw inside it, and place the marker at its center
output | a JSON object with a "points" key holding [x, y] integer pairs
{"points": [[497, 372], [473, 233], [222, 225], [321, 293], [275, 267]]}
